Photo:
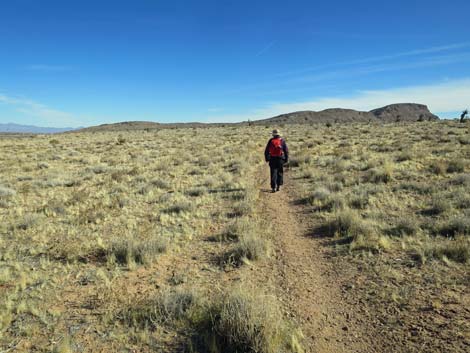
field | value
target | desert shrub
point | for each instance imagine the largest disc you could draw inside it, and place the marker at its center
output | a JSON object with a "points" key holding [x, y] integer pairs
{"points": [[120, 140], [404, 156], [209, 181], [251, 246], [335, 186], [29, 220], [297, 161], [379, 175], [464, 140], [179, 207], [456, 166], [243, 322], [369, 242], [43, 165], [243, 208], [462, 199], [347, 222], [6, 192], [99, 169], [438, 167], [462, 179], [414, 186], [455, 226], [457, 250], [405, 226], [323, 200], [198, 191], [166, 308], [438, 206], [160, 183], [129, 251], [359, 200], [237, 229]]}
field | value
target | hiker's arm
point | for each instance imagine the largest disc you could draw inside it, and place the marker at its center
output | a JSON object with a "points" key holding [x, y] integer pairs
{"points": [[286, 150], [266, 152]]}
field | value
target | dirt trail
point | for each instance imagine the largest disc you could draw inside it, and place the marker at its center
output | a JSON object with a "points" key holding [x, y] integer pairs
{"points": [[306, 281]]}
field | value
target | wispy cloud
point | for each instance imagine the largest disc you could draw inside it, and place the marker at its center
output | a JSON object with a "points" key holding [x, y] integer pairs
{"points": [[266, 48], [441, 98], [374, 59], [45, 114], [48, 68], [331, 73]]}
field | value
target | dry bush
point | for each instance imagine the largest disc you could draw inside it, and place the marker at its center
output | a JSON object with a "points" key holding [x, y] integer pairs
{"points": [[6, 192], [456, 166], [250, 247], [380, 174], [455, 226], [131, 251], [438, 167], [171, 307], [348, 223], [242, 322], [457, 250]]}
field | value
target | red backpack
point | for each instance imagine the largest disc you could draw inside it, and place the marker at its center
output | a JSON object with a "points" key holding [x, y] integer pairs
{"points": [[275, 147]]}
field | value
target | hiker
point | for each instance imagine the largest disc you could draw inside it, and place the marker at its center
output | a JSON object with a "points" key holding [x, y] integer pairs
{"points": [[276, 153]]}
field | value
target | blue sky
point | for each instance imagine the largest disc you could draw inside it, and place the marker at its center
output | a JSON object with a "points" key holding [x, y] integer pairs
{"points": [[80, 63]]}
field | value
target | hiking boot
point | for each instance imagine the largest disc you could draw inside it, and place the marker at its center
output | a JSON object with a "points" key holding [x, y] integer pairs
{"points": [[273, 190], [277, 189]]}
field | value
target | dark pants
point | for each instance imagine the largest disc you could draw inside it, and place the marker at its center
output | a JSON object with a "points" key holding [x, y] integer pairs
{"points": [[276, 166]]}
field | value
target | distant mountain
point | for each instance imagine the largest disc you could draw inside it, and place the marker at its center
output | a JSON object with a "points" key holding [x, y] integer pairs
{"points": [[391, 113], [31, 129], [325, 116], [404, 112]]}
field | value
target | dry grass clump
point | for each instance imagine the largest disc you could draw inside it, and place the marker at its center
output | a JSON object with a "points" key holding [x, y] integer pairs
{"points": [[249, 247], [456, 166], [299, 160], [457, 225], [361, 235], [179, 207], [323, 200], [238, 228], [6, 192], [406, 226], [170, 308], [230, 323], [457, 250], [131, 251], [380, 174], [348, 223], [242, 322], [438, 167], [359, 199], [439, 205]]}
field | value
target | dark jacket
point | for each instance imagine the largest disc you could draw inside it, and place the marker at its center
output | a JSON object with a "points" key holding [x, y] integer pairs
{"points": [[285, 149]]}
